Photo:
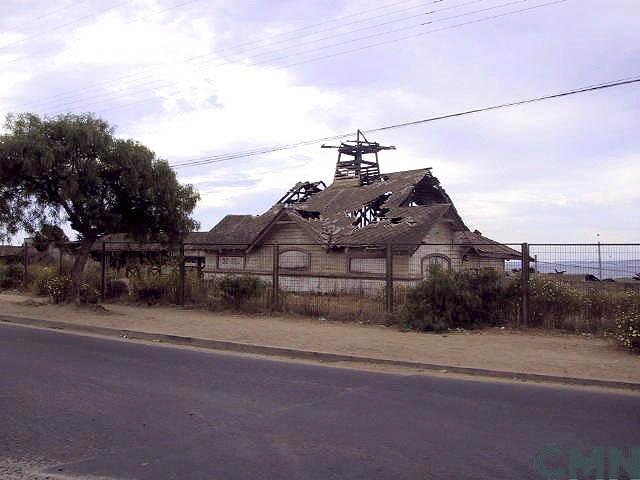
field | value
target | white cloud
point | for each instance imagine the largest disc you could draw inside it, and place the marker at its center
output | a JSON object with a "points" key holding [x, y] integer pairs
{"points": [[516, 209], [222, 103], [9, 38], [146, 39], [252, 105]]}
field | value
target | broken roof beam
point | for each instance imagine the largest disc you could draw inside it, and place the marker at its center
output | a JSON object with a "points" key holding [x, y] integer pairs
{"points": [[301, 192]]}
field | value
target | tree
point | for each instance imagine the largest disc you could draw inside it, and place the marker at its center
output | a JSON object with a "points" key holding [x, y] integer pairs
{"points": [[50, 235], [71, 168]]}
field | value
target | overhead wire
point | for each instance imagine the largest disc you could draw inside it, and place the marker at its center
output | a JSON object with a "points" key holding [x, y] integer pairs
{"points": [[128, 78], [344, 52], [53, 12], [264, 150], [157, 86], [138, 19], [54, 29], [205, 61]]}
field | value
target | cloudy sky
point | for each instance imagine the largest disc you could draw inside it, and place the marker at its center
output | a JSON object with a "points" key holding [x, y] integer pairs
{"points": [[195, 78]]}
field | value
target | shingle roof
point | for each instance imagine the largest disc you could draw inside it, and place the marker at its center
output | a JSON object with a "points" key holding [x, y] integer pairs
{"points": [[339, 199], [328, 215], [414, 225], [240, 230], [485, 247]]}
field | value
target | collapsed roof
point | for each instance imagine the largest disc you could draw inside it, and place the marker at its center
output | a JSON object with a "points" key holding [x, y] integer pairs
{"points": [[362, 207], [399, 208]]}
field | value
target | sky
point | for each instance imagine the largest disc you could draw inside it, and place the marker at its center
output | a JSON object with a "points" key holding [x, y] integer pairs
{"points": [[196, 78]]}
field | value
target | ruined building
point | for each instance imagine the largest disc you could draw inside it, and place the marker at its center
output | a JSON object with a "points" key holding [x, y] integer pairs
{"points": [[332, 238]]}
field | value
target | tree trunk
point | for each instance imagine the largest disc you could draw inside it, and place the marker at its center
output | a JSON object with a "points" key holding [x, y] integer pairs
{"points": [[78, 268]]}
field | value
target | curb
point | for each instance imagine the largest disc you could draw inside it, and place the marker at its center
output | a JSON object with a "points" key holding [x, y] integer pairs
{"points": [[313, 355]]}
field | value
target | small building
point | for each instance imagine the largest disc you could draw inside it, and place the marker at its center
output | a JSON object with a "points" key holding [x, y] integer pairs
{"points": [[336, 238]]}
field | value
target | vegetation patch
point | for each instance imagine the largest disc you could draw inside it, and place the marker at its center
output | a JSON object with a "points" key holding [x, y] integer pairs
{"points": [[459, 299], [10, 276], [234, 290]]}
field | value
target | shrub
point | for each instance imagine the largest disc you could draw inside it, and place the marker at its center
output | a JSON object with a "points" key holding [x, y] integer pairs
{"points": [[627, 331], [236, 289], [116, 288], [92, 276], [458, 299], [88, 293], [11, 275], [627, 324], [552, 301], [150, 288], [58, 288], [42, 275]]}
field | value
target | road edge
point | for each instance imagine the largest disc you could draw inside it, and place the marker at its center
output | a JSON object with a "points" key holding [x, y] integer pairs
{"points": [[323, 357]]}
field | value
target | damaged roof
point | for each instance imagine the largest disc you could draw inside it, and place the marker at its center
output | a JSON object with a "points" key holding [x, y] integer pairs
{"points": [[485, 247], [398, 208]]}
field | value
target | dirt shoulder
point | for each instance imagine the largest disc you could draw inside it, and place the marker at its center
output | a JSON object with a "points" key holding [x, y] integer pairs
{"points": [[494, 349]]}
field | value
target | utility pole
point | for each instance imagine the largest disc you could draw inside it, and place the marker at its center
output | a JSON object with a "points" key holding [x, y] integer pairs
{"points": [[524, 298]]}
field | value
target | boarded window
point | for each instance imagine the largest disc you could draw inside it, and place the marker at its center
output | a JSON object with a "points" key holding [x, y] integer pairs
{"points": [[230, 262], [294, 260], [367, 265]]}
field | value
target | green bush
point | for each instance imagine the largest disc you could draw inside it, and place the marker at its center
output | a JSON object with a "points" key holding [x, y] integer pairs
{"points": [[92, 276], [458, 299], [627, 325], [58, 288], [116, 289], [235, 289], [553, 302], [627, 331], [42, 274], [11, 275], [152, 288], [88, 293]]}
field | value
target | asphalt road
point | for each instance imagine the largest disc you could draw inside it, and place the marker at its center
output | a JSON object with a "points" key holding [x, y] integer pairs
{"points": [[75, 406]]}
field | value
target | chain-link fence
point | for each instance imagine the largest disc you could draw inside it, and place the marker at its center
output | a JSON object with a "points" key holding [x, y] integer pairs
{"points": [[575, 286]]}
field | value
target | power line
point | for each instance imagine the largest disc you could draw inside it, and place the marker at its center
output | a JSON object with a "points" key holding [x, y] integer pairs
{"points": [[53, 12], [59, 27], [136, 76], [264, 150], [90, 16], [389, 32], [201, 60]]}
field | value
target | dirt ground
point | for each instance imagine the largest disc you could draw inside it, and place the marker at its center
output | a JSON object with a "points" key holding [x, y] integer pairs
{"points": [[509, 350]]}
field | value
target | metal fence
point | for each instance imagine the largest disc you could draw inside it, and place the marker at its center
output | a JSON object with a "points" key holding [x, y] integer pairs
{"points": [[368, 283]]}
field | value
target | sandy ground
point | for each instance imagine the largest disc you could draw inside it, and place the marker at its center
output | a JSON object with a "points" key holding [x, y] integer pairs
{"points": [[531, 352]]}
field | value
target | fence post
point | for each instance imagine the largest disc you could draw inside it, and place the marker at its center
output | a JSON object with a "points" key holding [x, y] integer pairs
{"points": [[389, 279], [25, 261], [182, 275], [275, 280], [103, 270], [524, 319]]}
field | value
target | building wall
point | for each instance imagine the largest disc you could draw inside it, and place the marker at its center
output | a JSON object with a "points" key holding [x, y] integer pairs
{"points": [[359, 270], [442, 235]]}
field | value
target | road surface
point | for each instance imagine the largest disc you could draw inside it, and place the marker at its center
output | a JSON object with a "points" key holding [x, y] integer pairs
{"points": [[76, 406]]}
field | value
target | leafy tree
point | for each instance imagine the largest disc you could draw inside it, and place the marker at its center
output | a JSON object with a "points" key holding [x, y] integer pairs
{"points": [[71, 168], [50, 235]]}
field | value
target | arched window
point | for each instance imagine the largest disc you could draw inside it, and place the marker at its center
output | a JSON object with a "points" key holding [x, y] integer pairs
{"points": [[294, 260], [435, 260]]}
